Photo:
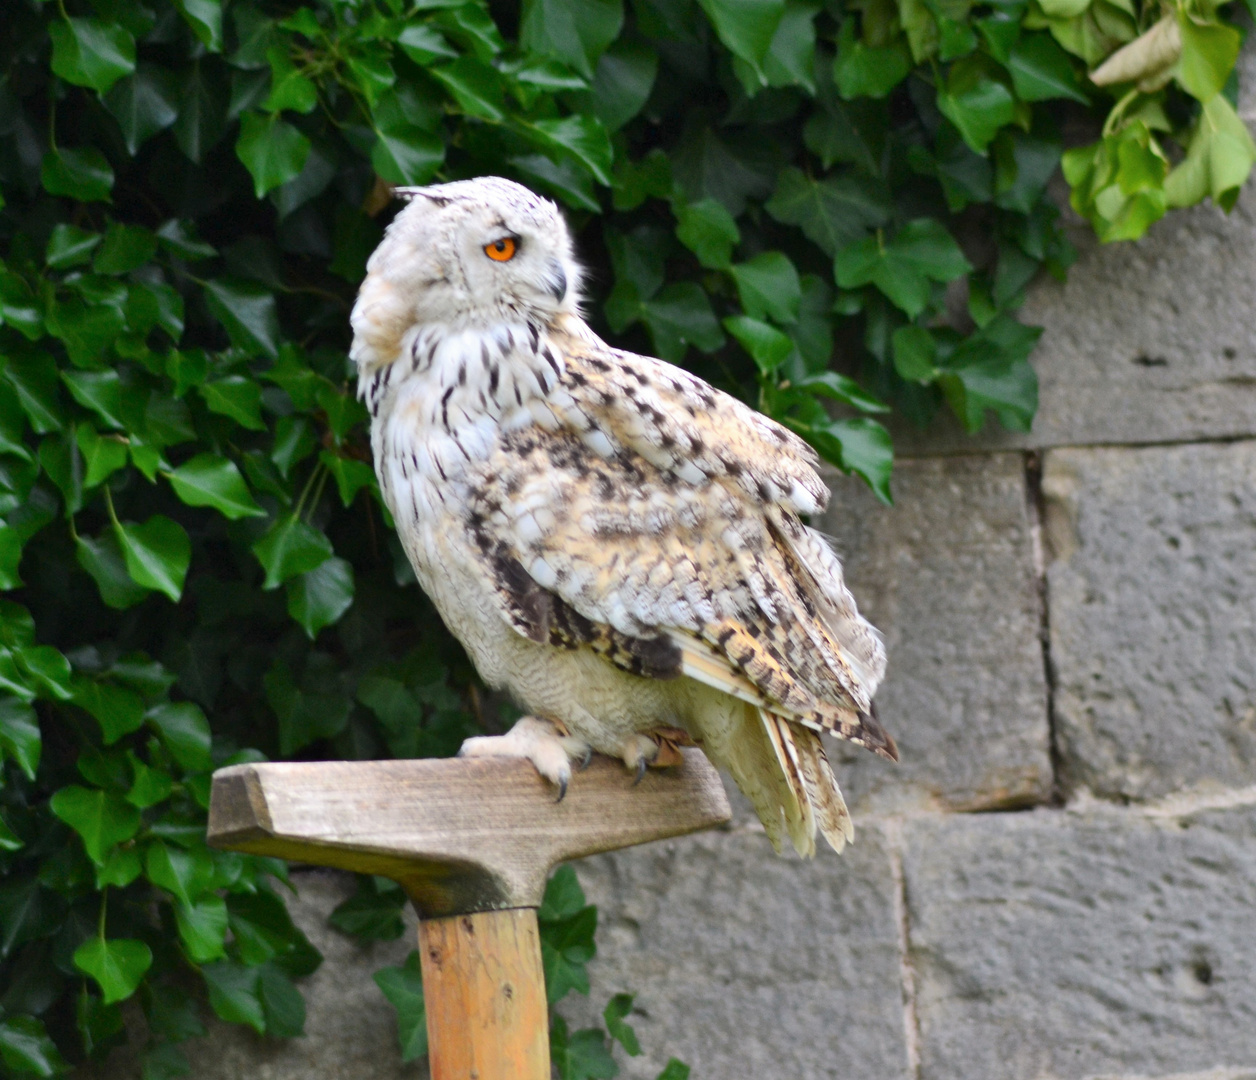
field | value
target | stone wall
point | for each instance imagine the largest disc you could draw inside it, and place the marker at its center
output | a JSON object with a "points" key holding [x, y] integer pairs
{"points": [[1059, 880]]}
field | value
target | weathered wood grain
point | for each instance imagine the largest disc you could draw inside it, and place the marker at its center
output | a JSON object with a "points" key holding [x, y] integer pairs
{"points": [[484, 990], [460, 834]]}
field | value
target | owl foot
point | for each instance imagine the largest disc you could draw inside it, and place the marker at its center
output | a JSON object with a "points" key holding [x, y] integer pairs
{"points": [[546, 743], [658, 749]]}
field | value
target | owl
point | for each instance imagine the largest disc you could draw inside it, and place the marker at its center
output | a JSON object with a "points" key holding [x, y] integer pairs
{"points": [[617, 544]]}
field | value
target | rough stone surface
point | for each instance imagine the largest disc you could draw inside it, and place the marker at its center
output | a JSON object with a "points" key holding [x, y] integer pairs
{"points": [[746, 964], [1150, 341], [351, 1030], [1083, 945], [948, 575], [1152, 596]]}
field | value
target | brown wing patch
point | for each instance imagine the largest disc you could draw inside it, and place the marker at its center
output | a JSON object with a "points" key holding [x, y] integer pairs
{"points": [[546, 618]]}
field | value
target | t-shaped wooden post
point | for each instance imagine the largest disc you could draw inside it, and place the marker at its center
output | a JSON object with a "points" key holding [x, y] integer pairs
{"points": [[472, 841]]}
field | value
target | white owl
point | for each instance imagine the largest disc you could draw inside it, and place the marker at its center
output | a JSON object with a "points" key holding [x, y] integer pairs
{"points": [[615, 543]]}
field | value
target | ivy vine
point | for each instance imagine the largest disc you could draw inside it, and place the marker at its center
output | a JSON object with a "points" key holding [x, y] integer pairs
{"points": [[832, 209]]}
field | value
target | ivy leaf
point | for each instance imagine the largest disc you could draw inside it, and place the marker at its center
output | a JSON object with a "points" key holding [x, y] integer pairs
{"points": [[271, 149], [102, 455], [708, 230], [186, 874], [920, 252], [675, 1069], [991, 370], [19, 735], [867, 71], [203, 928], [837, 387], [1209, 52], [69, 246], [234, 993], [289, 88], [320, 596], [976, 103], [185, 733], [583, 137], [205, 19], [423, 44], [157, 554], [144, 105], [403, 987], [119, 711], [767, 346], [768, 287], [616, 1010], [235, 396], [247, 312], [350, 476], [1218, 160], [1041, 70], [101, 818], [117, 965], [622, 82], [790, 60], [577, 32], [202, 119], [680, 315], [83, 174], [26, 1049], [210, 480], [914, 352], [282, 1003], [860, 446], [582, 1055], [102, 558], [290, 547], [832, 213], [475, 86], [10, 557], [91, 52], [407, 154], [746, 27], [151, 785]]}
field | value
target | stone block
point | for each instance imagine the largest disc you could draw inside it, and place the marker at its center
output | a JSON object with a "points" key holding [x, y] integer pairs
{"points": [[948, 575], [1149, 341], [1152, 600], [747, 964], [1084, 945]]}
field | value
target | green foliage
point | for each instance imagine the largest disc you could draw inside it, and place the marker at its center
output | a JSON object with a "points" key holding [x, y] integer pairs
{"points": [[831, 209]]}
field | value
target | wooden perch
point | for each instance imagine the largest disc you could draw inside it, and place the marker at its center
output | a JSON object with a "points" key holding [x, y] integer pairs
{"points": [[472, 841]]}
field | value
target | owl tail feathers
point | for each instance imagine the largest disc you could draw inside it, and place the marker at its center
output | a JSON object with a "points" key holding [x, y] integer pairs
{"points": [[815, 801]]}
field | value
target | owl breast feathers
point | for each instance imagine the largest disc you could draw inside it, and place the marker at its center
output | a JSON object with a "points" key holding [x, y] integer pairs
{"points": [[615, 542]]}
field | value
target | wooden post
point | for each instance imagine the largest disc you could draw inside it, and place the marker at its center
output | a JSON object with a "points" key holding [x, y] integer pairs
{"points": [[485, 995], [472, 841]]}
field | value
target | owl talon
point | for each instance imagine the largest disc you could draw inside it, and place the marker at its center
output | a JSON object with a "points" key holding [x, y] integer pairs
{"points": [[544, 743], [583, 761], [642, 765]]}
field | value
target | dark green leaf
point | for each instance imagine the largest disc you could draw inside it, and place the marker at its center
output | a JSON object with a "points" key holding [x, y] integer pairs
{"points": [[746, 27], [864, 71], [91, 52], [407, 154], [234, 994], [914, 353], [680, 315], [271, 149], [863, 447], [282, 1003], [1041, 70], [475, 86], [151, 785], [82, 174], [157, 554], [675, 1069], [144, 105], [19, 735], [205, 19], [832, 213], [842, 388], [768, 287], [209, 480], [119, 711], [247, 312], [403, 987], [102, 559], [582, 1055], [372, 913], [583, 137], [186, 874], [976, 103], [423, 44], [10, 557], [289, 87], [126, 248], [320, 596], [69, 246], [575, 31], [289, 548], [202, 119], [26, 1049], [767, 346], [101, 818], [708, 230], [203, 928], [622, 82], [619, 1007], [185, 732]]}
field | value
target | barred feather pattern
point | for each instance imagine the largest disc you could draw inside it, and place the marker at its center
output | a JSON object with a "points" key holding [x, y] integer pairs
{"points": [[616, 543]]}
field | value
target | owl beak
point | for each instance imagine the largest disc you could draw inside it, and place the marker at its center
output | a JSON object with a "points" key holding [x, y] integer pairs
{"points": [[557, 280]]}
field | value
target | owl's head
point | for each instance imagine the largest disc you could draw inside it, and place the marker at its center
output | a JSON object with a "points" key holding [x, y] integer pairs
{"points": [[477, 253]]}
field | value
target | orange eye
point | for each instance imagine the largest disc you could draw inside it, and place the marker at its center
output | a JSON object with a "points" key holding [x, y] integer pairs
{"points": [[502, 250]]}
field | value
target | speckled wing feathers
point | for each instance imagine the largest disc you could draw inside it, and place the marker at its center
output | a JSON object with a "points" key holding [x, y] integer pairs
{"points": [[654, 520]]}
